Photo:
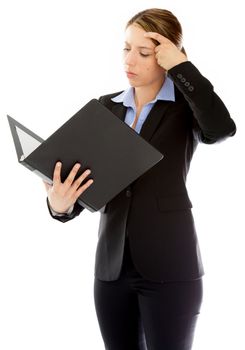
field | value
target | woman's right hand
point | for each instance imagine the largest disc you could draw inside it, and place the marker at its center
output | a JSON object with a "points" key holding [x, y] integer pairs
{"points": [[62, 195]]}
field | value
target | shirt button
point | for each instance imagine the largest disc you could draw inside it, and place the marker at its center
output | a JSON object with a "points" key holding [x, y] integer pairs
{"points": [[191, 88], [128, 193], [187, 84], [179, 76], [183, 80]]}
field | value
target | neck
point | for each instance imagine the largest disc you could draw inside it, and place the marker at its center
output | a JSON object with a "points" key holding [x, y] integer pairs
{"points": [[147, 93]]}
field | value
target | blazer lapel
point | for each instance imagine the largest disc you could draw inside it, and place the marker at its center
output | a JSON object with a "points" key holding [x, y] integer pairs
{"points": [[119, 110], [154, 118], [152, 121]]}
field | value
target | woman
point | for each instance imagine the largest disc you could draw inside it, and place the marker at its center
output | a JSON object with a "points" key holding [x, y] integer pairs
{"points": [[148, 270]]}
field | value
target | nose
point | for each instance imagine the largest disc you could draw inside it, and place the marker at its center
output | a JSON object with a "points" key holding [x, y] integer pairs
{"points": [[130, 58]]}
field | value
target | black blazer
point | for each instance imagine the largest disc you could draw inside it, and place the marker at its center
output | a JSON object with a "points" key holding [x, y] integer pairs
{"points": [[155, 210]]}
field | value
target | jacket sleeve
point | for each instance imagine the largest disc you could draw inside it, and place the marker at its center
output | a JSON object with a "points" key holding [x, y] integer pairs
{"points": [[66, 217], [212, 121]]}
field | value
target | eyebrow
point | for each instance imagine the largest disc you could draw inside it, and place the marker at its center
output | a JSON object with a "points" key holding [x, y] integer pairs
{"points": [[142, 47]]}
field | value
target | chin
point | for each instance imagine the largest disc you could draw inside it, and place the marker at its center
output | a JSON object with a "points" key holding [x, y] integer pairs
{"points": [[135, 84]]}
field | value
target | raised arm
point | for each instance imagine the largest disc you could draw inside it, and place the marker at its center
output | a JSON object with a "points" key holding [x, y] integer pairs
{"points": [[212, 121]]}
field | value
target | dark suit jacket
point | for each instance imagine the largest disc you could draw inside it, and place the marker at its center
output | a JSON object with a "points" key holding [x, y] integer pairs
{"points": [[155, 210]]}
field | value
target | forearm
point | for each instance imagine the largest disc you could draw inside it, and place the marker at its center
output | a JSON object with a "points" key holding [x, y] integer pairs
{"points": [[210, 113]]}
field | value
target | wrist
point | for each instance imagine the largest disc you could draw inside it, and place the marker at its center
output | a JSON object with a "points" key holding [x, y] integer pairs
{"points": [[55, 211], [177, 62]]}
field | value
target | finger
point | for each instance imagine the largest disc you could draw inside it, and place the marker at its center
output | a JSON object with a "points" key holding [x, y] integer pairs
{"points": [[83, 188], [158, 48], [158, 56], [56, 176], [70, 178], [160, 38], [81, 178]]}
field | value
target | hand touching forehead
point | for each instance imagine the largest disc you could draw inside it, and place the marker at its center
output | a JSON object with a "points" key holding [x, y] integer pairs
{"points": [[134, 36]]}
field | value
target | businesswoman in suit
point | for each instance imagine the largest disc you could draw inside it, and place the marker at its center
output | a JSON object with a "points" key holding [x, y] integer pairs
{"points": [[148, 268]]}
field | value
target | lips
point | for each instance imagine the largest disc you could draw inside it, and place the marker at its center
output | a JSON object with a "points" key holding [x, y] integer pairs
{"points": [[131, 73]]}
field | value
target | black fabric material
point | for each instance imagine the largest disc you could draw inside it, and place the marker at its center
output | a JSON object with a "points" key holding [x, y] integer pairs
{"points": [[156, 209], [138, 314]]}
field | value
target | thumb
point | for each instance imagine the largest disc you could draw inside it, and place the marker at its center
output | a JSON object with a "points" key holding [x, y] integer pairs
{"points": [[47, 185]]}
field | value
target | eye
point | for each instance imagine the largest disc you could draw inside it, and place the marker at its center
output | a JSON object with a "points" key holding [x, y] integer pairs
{"points": [[142, 54]]}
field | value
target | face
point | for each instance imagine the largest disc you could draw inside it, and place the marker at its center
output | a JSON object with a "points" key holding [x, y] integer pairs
{"points": [[139, 58]]}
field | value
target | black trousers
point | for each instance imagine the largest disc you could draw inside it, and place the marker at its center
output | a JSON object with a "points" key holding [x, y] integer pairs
{"points": [[138, 314]]}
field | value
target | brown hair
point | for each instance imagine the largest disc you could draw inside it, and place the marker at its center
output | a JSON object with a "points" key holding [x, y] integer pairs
{"points": [[161, 21]]}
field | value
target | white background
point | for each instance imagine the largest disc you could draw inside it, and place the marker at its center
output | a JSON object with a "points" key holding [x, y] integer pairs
{"points": [[55, 56]]}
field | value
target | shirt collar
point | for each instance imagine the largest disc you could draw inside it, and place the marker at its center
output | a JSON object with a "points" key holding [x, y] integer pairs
{"points": [[166, 93]]}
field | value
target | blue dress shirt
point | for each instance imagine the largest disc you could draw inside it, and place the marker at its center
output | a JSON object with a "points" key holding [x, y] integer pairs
{"points": [[127, 98]]}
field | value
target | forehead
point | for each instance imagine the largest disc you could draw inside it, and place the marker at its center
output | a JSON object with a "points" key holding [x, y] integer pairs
{"points": [[134, 35]]}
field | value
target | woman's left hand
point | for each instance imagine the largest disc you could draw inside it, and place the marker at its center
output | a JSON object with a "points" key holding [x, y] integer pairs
{"points": [[167, 54]]}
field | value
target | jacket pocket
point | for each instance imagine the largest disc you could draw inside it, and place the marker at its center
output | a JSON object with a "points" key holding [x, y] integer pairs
{"points": [[174, 203]]}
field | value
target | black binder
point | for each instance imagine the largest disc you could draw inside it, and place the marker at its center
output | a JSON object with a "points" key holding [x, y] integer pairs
{"points": [[99, 141]]}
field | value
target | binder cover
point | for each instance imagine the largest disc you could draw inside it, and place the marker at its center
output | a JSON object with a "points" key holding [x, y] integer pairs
{"points": [[98, 140]]}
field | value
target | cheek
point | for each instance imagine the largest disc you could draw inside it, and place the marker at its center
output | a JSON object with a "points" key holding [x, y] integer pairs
{"points": [[152, 68], [157, 69], [152, 65], [152, 72]]}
